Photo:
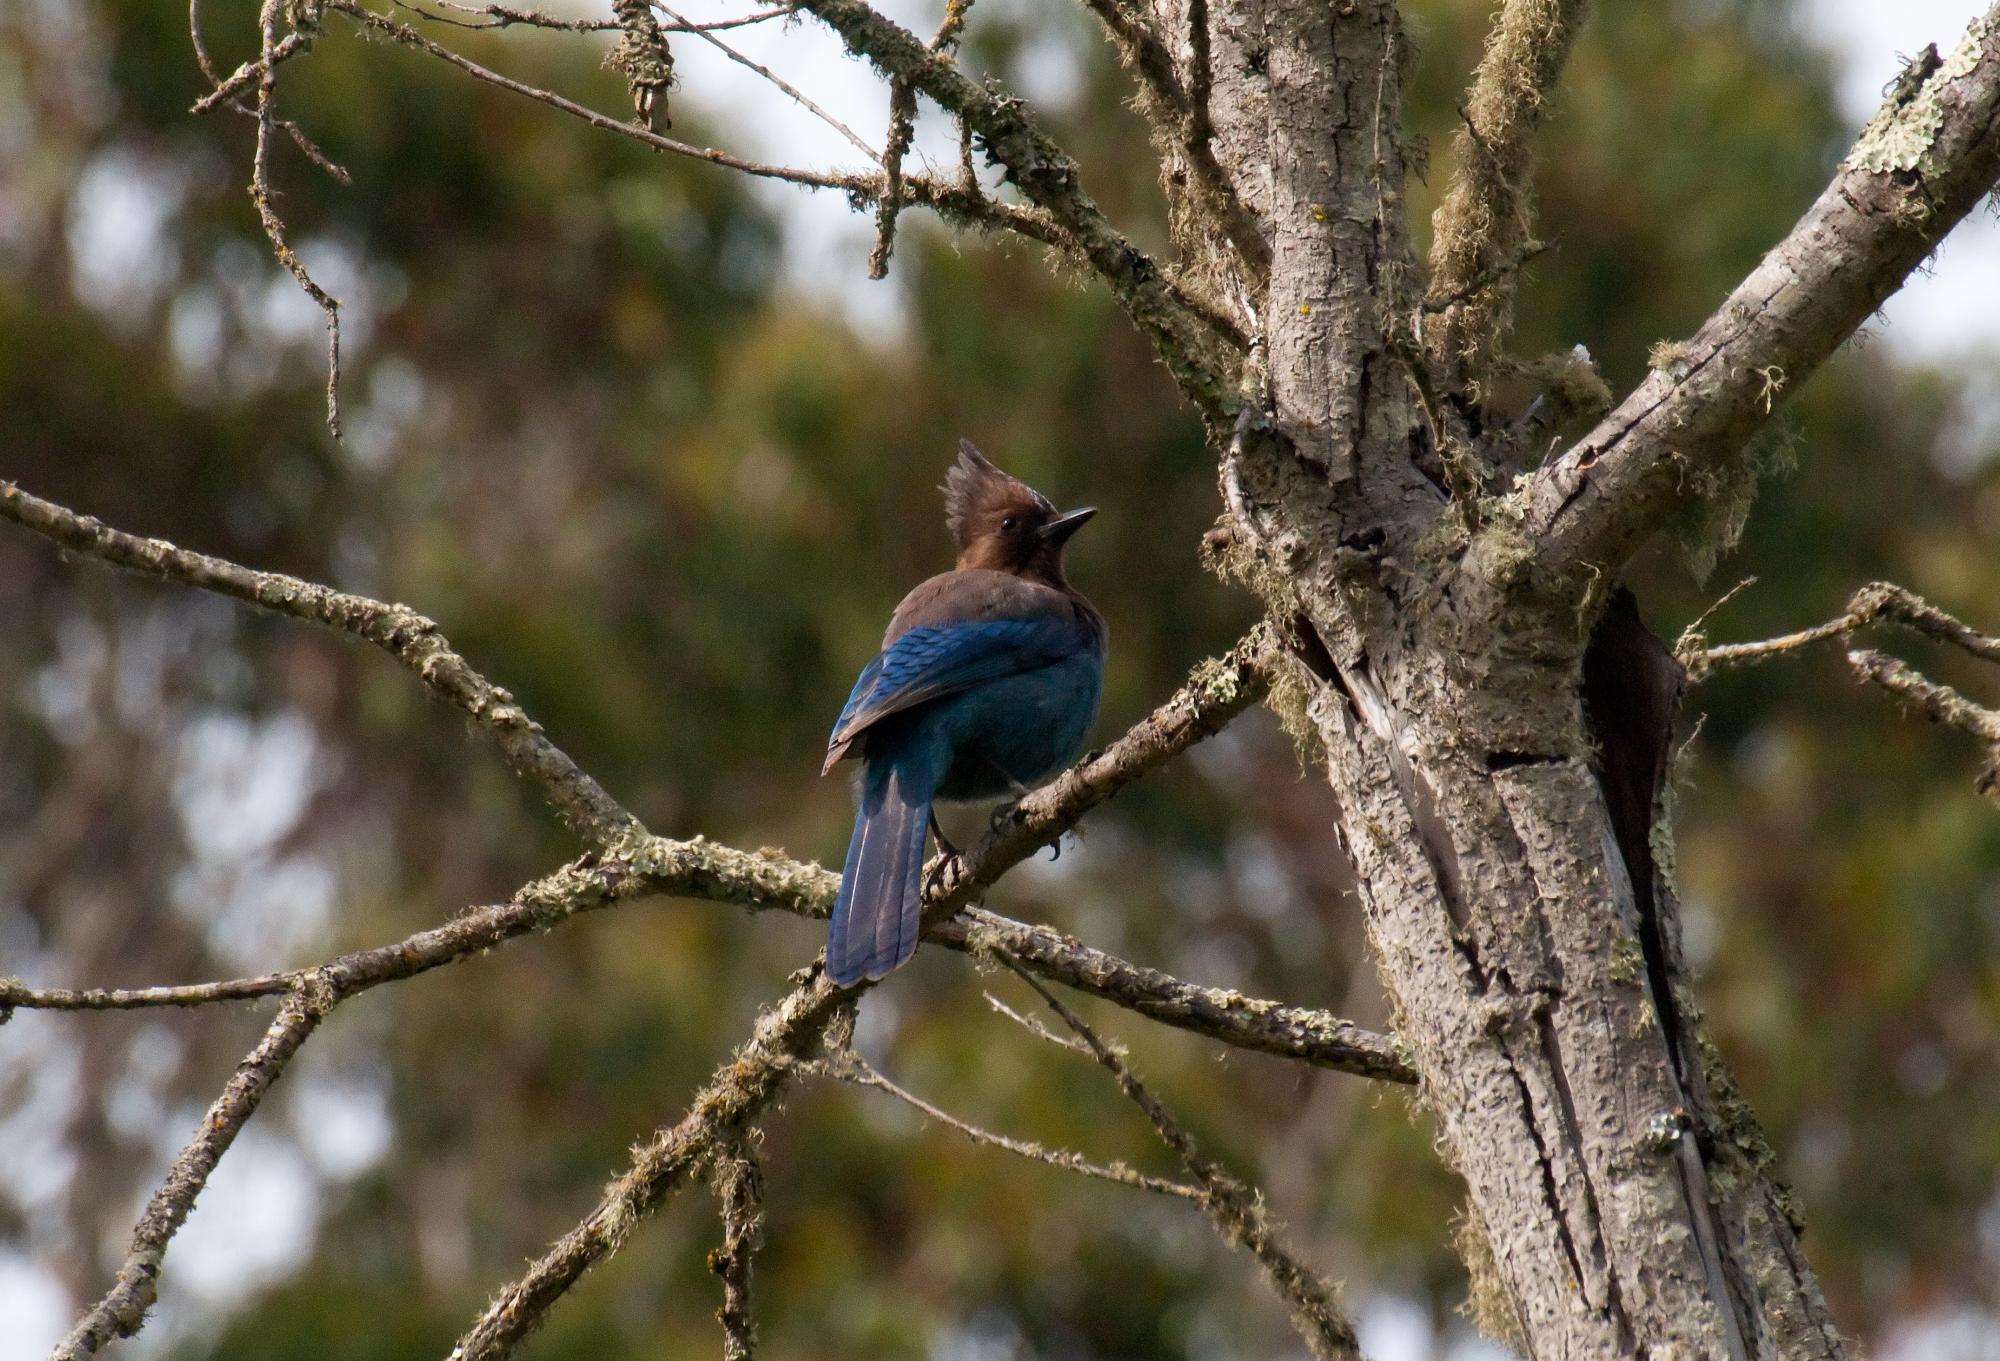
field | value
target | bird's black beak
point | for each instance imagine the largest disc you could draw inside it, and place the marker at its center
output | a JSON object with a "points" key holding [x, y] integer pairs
{"points": [[1058, 530]]}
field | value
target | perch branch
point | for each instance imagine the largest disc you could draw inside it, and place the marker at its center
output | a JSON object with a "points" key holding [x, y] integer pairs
{"points": [[643, 866], [789, 1032]]}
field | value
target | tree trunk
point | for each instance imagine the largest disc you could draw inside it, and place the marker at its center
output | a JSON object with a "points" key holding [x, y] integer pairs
{"points": [[1498, 741]]}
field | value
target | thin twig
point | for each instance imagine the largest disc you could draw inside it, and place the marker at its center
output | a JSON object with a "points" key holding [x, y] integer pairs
{"points": [[1939, 703], [1198, 354], [1879, 601], [796, 94], [15, 993], [1036, 1028], [739, 1187], [902, 131], [242, 79], [851, 1067], [123, 1308], [274, 226], [954, 202], [1182, 117], [1235, 1209], [787, 1035], [398, 630], [1492, 274], [504, 16]]}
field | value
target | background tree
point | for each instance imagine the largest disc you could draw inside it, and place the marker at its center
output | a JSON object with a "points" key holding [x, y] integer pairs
{"points": [[584, 426]]}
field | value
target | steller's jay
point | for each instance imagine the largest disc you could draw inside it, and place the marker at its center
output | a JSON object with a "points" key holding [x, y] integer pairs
{"points": [[987, 683]]}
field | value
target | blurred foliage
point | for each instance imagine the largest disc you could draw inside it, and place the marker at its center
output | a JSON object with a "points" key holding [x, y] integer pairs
{"points": [[647, 483]]}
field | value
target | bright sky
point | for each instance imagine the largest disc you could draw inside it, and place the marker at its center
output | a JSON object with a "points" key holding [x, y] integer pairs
{"points": [[1957, 307], [1939, 317]]}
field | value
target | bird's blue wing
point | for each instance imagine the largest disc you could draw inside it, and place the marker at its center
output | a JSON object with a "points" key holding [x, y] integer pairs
{"points": [[928, 663]]}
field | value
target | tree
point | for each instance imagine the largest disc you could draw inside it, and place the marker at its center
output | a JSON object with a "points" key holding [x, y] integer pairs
{"points": [[1444, 631]]}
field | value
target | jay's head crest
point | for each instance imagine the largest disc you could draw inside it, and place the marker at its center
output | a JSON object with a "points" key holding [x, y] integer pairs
{"points": [[1002, 523]]}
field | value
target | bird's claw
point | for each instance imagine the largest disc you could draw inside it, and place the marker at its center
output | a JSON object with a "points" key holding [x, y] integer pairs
{"points": [[943, 841]]}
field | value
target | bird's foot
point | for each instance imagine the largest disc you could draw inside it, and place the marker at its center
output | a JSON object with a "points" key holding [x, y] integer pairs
{"points": [[943, 841], [1005, 814]]}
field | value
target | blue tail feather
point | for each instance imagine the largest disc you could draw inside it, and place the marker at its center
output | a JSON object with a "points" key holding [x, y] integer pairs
{"points": [[881, 888]]}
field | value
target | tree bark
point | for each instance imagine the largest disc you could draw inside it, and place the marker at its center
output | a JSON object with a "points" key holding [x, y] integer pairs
{"points": [[1497, 736]]}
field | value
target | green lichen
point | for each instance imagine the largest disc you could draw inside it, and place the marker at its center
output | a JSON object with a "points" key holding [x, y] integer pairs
{"points": [[1901, 136], [1291, 700], [1719, 496], [1628, 961], [1487, 1302]]}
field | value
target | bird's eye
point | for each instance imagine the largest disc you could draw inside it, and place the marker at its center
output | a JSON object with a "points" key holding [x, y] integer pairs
{"points": [[1011, 523]]}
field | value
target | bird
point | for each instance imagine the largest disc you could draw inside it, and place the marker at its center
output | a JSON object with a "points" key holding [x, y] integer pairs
{"points": [[987, 684]]}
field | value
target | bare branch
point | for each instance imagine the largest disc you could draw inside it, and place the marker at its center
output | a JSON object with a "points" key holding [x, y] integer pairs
{"points": [[1940, 704], [902, 128], [739, 1186], [789, 1032], [503, 16], [955, 202], [1236, 1210], [14, 993], [123, 1308], [1879, 601], [796, 94], [1196, 354], [1481, 233], [787, 1035], [1214, 694], [230, 91], [274, 226], [398, 630], [1036, 1028], [1919, 167], [1308, 1034], [1180, 116], [851, 1067]]}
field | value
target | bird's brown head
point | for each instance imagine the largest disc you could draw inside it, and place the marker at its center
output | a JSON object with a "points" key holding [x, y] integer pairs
{"points": [[1002, 523]]}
